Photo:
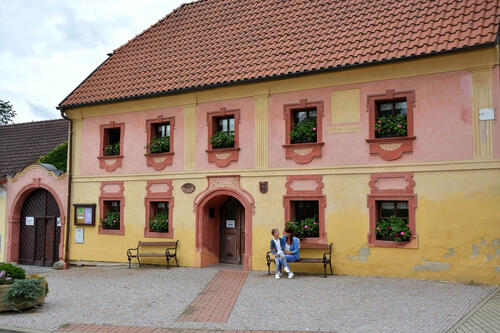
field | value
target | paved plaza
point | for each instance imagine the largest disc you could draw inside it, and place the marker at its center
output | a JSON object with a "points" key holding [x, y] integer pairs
{"points": [[187, 299]]}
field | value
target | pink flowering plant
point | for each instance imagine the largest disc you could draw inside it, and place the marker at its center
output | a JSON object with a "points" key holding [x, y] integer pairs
{"points": [[111, 150], [5, 278], [222, 139], [304, 132], [391, 126], [159, 145], [111, 221], [393, 228], [159, 223], [306, 228]]}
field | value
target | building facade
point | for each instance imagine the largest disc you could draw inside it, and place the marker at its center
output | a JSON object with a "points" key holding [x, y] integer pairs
{"points": [[407, 146]]}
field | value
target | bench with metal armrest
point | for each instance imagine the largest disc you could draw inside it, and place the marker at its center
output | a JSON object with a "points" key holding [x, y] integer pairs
{"points": [[170, 252]]}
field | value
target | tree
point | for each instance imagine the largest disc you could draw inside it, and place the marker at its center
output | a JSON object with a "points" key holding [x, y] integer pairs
{"points": [[6, 112]]}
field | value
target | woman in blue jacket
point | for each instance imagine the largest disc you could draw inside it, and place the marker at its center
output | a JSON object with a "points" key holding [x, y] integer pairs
{"points": [[292, 247]]}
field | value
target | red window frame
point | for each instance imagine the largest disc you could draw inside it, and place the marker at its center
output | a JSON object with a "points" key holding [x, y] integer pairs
{"points": [[401, 194], [159, 161], [153, 197], [312, 194], [110, 163], [295, 151], [105, 197], [222, 157]]}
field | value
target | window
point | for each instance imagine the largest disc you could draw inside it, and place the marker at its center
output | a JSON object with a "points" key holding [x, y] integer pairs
{"points": [[160, 142], [392, 205], [391, 123], [111, 148], [159, 206], [303, 131], [223, 136], [111, 204], [304, 205]]}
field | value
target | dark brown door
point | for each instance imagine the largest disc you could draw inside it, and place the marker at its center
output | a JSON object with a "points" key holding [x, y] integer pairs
{"points": [[232, 232], [39, 234]]}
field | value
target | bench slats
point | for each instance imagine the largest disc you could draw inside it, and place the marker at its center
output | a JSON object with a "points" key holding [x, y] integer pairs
{"points": [[156, 243], [151, 255], [320, 260]]}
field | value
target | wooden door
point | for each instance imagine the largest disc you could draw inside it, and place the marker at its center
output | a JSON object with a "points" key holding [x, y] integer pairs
{"points": [[231, 232], [39, 240]]}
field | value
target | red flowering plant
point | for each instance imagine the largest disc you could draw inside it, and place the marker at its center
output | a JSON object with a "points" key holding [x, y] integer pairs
{"points": [[159, 223], [111, 150], [159, 145], [222, 139], [111, 221], [308, 227], [391, 126], [393, 228], [304, 131]]}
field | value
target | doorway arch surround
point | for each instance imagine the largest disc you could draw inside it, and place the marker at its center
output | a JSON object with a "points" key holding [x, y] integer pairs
{"points": [[14, 219], [222, 186]]}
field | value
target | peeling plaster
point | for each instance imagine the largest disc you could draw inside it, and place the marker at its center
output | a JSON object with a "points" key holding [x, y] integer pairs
{"points": [[497, 252], [451, 253], [475, 251], [363, 254], [497, 268], [495, 243], [432, 266], [488, 257], [483, 242]]}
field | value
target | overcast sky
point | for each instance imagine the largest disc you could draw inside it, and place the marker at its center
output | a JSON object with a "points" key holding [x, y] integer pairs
{"points": [[48, 47]]}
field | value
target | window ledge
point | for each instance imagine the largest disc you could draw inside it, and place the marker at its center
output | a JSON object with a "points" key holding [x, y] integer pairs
{"points": [[152, 234], [391, 148], [110, 163], [111, 231], [222, 157], [303, 153], [159, 160], [411, 244]]}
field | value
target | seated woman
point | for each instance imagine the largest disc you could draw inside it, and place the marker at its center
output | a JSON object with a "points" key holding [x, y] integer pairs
{"points": [[292, 247]]}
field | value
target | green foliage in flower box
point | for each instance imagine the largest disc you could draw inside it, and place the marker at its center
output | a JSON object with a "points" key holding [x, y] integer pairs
{"points": [[159, 145], [391, 126], [222, 139], [159, 223], [393, 227], [308, 227], [111, 221], [304, 132]]}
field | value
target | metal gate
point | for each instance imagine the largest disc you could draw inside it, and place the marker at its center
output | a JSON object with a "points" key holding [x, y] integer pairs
{"points": [[39, 233]]}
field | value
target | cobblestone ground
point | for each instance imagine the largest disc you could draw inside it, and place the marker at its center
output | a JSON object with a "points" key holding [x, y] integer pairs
{"points": [[156, 297]]}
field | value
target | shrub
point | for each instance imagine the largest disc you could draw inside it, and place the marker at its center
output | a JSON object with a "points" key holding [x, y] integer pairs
{"points": [[308, 227], [159, 223], [13, 271], [304, 132], [24, 292], [159, 145], [58, 157], [222, 140], [394, 227], [5, 279], [391, 126], [111, 220], [111, 150]]}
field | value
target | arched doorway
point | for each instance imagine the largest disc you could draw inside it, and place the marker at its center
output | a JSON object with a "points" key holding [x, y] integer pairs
{"points": [[40, 229]]}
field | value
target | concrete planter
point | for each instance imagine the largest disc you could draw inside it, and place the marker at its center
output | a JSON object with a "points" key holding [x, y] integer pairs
{"points": [[6, 287]]}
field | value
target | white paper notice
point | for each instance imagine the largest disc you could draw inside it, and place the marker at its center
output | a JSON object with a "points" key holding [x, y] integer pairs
{"points": [[88, 216], [79, 235], [30, 220], [230, 223], [58, 221]]}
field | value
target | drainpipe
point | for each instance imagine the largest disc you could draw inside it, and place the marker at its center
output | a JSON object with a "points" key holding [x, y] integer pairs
{"points": [[68, 202]]}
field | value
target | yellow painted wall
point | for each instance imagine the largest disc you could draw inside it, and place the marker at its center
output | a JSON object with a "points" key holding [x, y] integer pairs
{"points": [[3, 221]]}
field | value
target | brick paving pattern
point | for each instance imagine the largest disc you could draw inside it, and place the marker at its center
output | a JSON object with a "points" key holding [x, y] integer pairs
{"points": [[216, 301], [484, 318], [139, 329]]}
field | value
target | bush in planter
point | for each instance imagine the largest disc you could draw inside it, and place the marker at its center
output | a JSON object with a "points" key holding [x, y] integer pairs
{"points": [[308, 227], [222, 140], [25, 293], [304, 132], [159, 223], [391, 126], [13, 272], [111, 221], [111, 150], [393, 228], [159, 145]]}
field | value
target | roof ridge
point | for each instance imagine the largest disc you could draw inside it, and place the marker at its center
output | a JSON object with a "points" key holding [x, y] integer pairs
{"points": [[33, 122]]}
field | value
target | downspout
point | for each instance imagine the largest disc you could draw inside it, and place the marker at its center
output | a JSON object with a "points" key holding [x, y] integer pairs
{"points": [[68, 202]]}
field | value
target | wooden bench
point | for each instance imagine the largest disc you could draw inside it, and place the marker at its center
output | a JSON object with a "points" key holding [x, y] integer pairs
{"points": [[326, 260], [170, 252]]}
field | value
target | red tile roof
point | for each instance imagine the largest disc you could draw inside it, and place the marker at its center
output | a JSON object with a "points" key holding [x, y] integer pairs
{"points": [[23, 144], [222, 42]]}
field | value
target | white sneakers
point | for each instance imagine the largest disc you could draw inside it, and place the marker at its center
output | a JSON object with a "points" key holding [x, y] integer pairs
{"points": [[290, 275], [277, 276], [287, 269]]}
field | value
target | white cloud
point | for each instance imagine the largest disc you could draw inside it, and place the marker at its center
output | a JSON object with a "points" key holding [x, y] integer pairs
{"points": [[48, 47]]}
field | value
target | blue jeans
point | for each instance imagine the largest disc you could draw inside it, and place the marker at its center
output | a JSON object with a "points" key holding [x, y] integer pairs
{"points": [[283, 262]]}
